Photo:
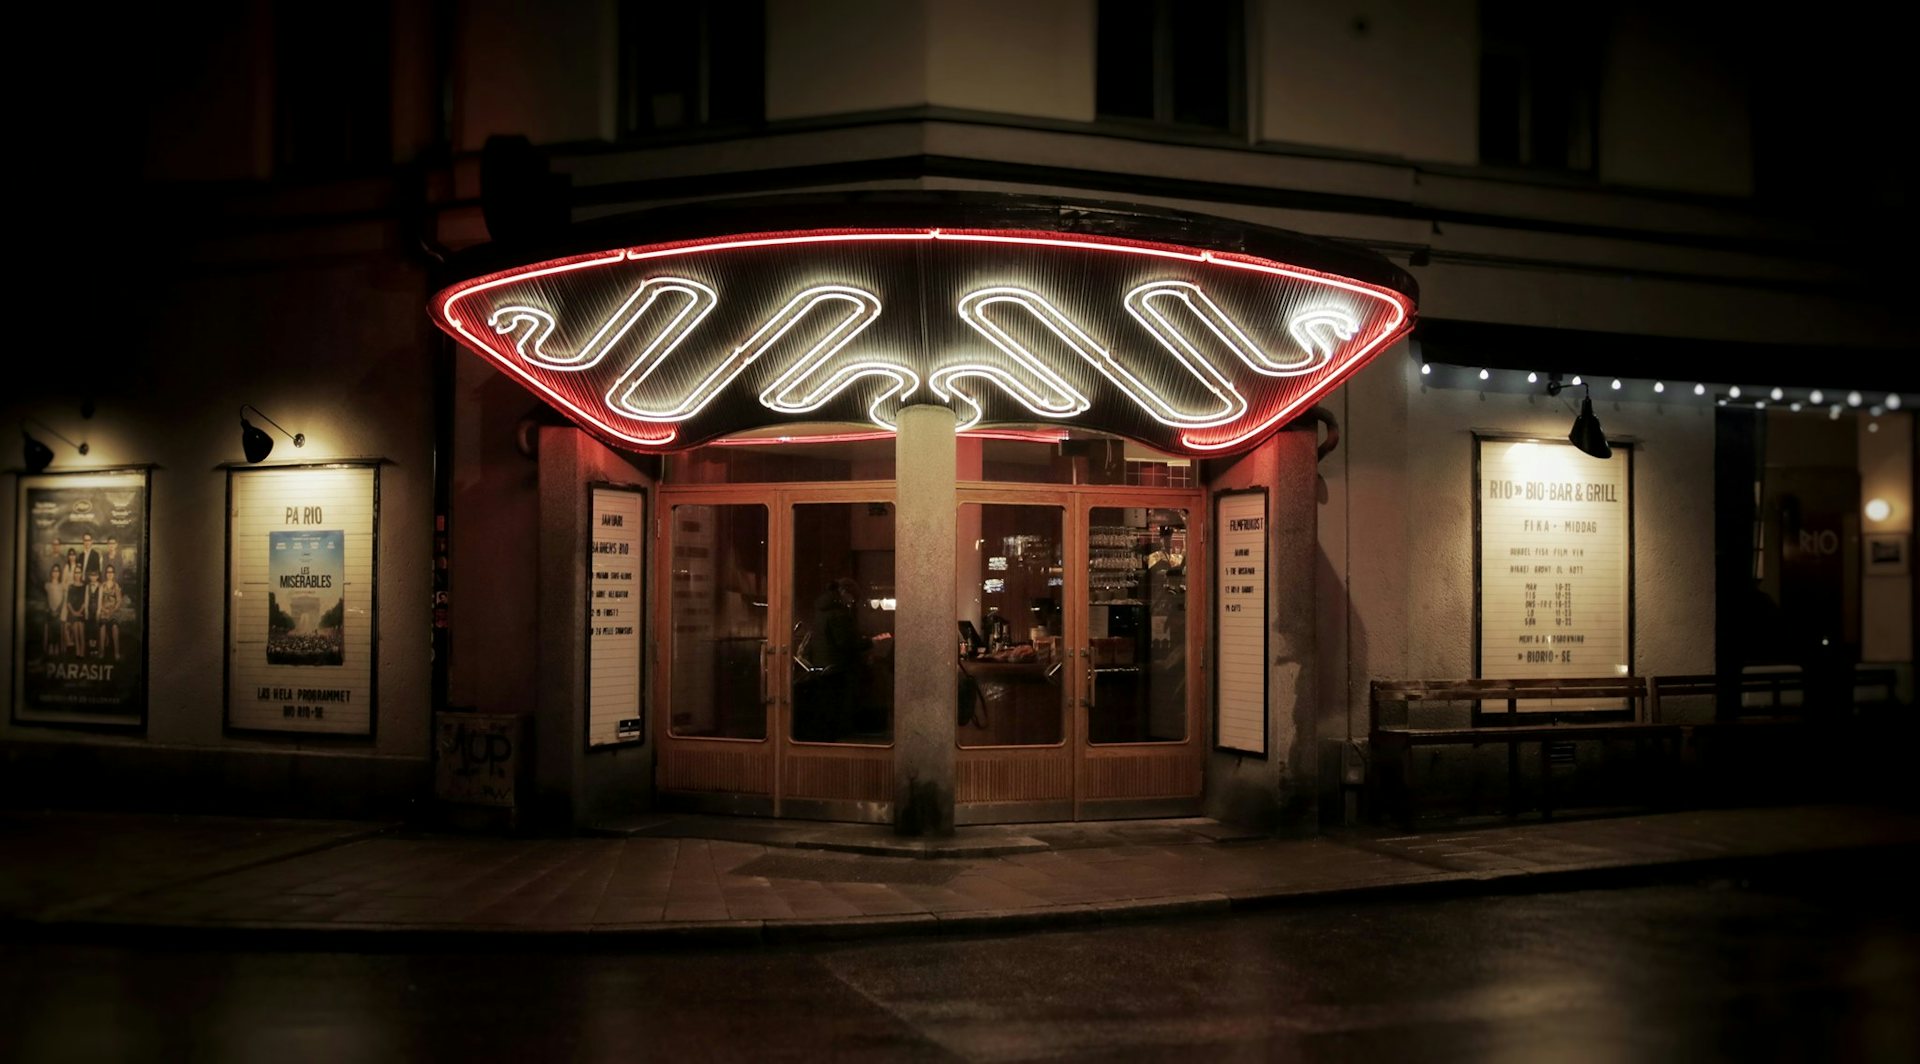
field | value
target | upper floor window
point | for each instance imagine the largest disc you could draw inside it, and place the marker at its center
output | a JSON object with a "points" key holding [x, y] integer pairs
{"points": [[332, 88], [1175, 62], [691, 64], [1539, 84]]}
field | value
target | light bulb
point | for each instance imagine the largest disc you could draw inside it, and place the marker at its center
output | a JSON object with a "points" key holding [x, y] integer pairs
{"points": [[1733, 392], [1533, 378], [1759, 404], [1699, 389], [1853, 399], [1616, 384], [1794, 406], [1576, 380], [1426, 369], [1833, 412], [1659, 387], [1879, 509], [1818, 397], [1484, 374], [1777, 395], [1893, 402]]}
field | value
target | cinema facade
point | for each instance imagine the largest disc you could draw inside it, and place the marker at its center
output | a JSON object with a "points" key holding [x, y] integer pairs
{"points": [[960, 453], [957, 507]]}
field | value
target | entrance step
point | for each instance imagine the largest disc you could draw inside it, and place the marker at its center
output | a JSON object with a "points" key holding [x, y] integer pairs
{"points": [[974, 841]]}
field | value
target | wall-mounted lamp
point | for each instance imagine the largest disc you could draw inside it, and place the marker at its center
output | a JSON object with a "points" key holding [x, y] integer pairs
{"points": [[36, 455], [255, 441], [1587, 434]]}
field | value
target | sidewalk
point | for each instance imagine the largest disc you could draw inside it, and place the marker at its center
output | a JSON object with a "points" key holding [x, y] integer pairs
{"points": [[670, 878]]}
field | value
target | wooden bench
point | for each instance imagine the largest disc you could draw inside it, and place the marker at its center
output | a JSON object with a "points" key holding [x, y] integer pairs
{"points": [[1393, 744]]}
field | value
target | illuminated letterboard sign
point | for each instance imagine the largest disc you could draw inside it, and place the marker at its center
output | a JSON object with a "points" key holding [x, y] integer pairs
{"points": [[669, 345]]}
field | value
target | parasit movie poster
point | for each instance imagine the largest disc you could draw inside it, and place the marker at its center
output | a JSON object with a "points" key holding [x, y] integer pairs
{"points": [[80, 615]]}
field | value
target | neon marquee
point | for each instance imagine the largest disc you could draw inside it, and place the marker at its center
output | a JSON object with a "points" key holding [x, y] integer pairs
{"points": [[1189, 349]]}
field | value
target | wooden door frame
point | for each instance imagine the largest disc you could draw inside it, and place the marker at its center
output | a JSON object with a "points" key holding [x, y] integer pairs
{"points": [[1078, 502], [778, 499]]}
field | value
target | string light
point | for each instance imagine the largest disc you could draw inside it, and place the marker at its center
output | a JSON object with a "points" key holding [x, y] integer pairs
{"points": [[1533, 378], [1853, 399], [1733, 392], [1777, 395], [1426, 369], [1794, 406], [1817, 397], [1833, 412], [1699, 389], [1893, 401], [1658, 387], [1484, 374], [1616, 384]]}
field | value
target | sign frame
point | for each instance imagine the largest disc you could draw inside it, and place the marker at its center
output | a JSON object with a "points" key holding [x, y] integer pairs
{"points": [[120, 723], [1266, 632], [640, 605], [227, 726], [1547, 711]]}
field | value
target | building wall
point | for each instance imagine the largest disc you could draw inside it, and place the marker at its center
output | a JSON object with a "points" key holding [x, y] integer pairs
{"points": [[1396, 567], [807, 43], [1395, 79], [575, 786], [1012, 57], [333, 349], [1282, 787]]}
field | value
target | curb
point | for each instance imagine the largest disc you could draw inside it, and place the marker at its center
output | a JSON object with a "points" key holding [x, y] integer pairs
{"points": [[392, 938]]}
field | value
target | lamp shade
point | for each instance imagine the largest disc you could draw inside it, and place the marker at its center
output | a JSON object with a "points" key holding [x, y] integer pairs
{"points": [[35, 454], [254, 441], [1587, 434]]}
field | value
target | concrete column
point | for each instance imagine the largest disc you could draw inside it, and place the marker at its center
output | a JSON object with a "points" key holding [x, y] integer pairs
{"points": [[925, 694]]}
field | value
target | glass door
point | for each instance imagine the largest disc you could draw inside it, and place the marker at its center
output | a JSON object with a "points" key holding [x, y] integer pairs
{"points": [[1077, 629], [720, 655], [1139, 753], [836, 694], [779, 678], [1015, 642]]}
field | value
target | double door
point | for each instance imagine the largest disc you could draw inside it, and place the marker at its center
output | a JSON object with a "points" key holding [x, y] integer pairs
{"points": [[1079, 697], [778, 611]]}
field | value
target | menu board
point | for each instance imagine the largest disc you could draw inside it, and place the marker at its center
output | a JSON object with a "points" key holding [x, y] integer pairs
{"points": [[1555, 541], [300, 603], [613, 617], [1240, 622]]}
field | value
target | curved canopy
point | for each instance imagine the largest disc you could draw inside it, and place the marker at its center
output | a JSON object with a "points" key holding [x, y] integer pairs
{"points": [[670, 328]]}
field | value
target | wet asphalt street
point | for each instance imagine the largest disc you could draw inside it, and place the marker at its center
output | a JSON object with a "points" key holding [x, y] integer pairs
{"points": [[1813, 961]]}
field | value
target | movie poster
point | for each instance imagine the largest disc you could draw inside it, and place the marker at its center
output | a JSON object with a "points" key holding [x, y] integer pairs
{"points": [[300, 624], [80, 632], [306, 598]]}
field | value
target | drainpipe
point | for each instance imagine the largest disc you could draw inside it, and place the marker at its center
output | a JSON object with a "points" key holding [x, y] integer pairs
{"points": [[1321, 415]]}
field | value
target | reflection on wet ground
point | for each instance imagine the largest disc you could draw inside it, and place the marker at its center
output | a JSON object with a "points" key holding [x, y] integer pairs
{"points": [[1818, 960]]}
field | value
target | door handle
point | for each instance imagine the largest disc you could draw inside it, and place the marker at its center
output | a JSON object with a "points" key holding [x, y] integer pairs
{"points": [[766, 659]]}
